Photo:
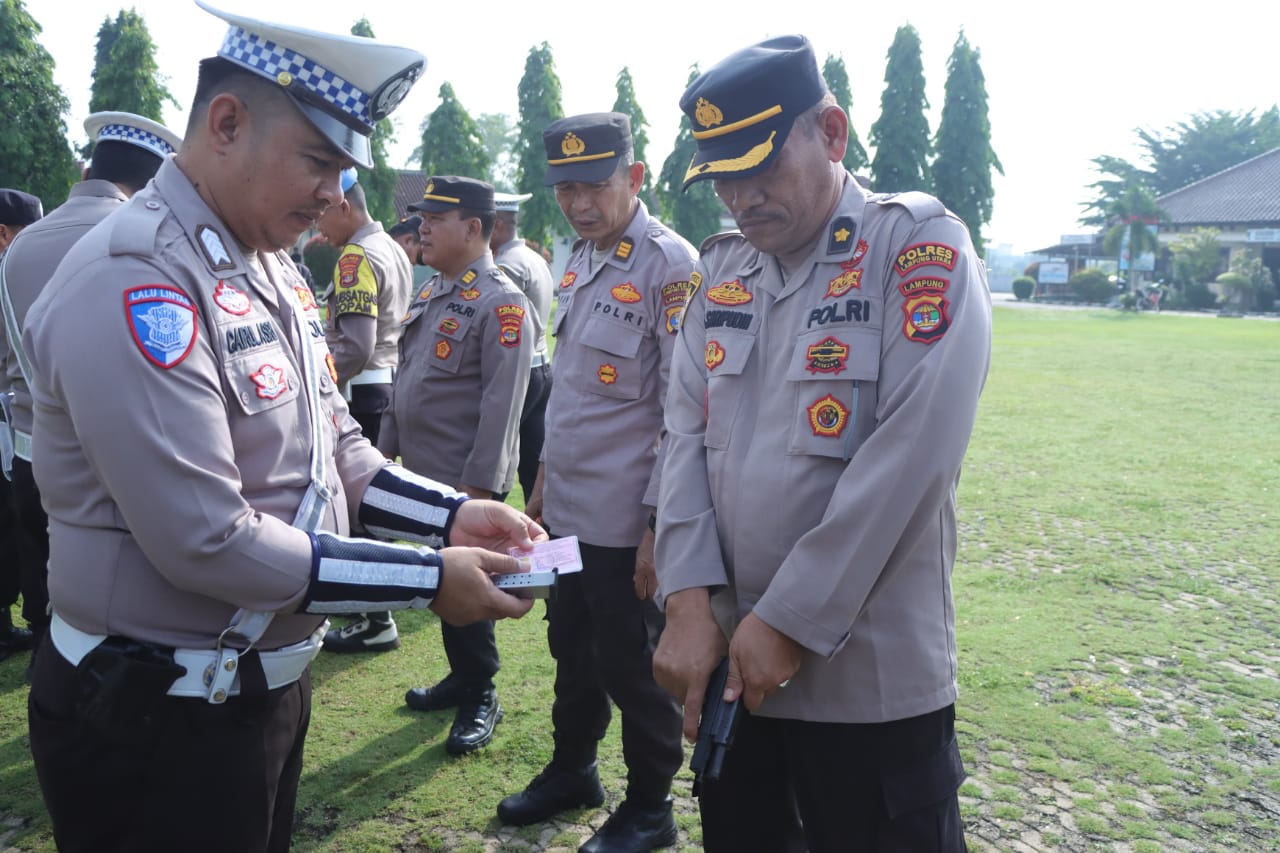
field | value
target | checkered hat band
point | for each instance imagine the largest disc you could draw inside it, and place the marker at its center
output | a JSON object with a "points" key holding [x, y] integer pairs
{"points": [[135, 136], [269, 59]]}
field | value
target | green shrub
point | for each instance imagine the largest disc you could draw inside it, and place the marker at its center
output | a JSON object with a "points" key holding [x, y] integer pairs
{"points": [[1198, 296], [1237, 289], [320, 257], [1092, 285], [1264, 297], [1023, 287]]}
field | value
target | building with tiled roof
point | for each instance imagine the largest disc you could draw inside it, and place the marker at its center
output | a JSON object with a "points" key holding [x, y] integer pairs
{"points": [[1243, 197], [1242, 202], [410, 186]]}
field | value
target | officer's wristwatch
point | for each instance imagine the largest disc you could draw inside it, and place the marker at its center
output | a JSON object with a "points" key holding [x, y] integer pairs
{"points": [[653, 523]]}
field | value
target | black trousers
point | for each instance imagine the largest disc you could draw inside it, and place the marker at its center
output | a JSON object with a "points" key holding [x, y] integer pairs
{"points": [[367, 405], [793, 785], [472, 650], [193, 776], [602, 638], [533, 426], [31, 533]]}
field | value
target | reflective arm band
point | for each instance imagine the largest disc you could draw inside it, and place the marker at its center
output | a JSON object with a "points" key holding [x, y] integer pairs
{"points": [[360, 575], [399, 504]]}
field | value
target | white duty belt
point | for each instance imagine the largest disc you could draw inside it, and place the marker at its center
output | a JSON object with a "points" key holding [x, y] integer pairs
{"points": [[21, 444], [374, 376], [281, 666]]}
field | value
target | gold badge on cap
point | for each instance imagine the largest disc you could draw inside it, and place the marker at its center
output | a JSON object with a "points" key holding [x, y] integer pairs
{"points": [[707, 113], [431, 187], [284, 78], [571, 145]]}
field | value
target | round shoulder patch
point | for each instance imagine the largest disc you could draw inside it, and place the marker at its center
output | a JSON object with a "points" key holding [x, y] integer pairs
{"points": [[162, 320]]}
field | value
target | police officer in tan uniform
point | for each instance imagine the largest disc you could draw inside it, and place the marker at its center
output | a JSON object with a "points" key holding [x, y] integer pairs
{"points": [[619, 301], [372, 283], [18, 209], [532, 274], [823, 391], [455, 416], [201, 471], [128, 149]]}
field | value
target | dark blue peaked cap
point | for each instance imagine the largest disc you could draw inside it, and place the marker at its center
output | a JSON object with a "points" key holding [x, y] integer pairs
{"points": [[742, 109]]}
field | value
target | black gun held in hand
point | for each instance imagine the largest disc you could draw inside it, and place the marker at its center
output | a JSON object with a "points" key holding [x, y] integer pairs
{"points": [[715, 729]]}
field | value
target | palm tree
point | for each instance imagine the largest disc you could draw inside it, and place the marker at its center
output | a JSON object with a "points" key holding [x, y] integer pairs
{"points": [[1131, 217]]}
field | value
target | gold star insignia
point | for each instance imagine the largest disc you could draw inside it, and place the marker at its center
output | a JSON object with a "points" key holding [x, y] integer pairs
{"points": [[842, 234]]}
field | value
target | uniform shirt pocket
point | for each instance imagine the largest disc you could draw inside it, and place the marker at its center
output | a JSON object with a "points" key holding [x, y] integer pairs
{"points": [[264, 380], [725, 357], [610, 364], [832, 385], [448, 341]]}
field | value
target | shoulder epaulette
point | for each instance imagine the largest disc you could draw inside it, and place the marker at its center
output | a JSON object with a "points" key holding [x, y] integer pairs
{"points": [[722, 237], [920, 205], [134, 229]]}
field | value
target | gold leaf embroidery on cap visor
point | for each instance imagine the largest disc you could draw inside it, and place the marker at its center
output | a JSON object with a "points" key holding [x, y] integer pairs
{"points": [[750, 160]]}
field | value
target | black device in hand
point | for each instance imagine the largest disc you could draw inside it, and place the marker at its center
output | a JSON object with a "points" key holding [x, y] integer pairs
{"points": [[715, 729]]}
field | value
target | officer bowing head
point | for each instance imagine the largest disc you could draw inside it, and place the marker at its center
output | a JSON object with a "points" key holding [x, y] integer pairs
{"points": [[591, 165], [771, 137], [278, 114]]}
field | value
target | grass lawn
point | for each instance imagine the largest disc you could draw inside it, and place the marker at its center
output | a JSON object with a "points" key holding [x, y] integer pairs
{"points": [[1116, 593]]}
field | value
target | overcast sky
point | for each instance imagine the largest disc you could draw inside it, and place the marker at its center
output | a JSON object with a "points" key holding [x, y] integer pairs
{"points": [[1072, 84]]}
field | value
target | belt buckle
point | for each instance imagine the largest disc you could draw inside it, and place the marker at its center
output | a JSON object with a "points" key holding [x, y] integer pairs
{"points": [[220, 674]]}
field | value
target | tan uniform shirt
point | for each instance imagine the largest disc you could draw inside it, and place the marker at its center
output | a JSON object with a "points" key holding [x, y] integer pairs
{"points": [[172, 434], [532, 275], [816, 426], [464, 368], [615, 330], [372, 278], [30, 264]]}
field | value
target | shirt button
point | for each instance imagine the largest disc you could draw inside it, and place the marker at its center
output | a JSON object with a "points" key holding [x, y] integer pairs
{"points": [[244, 397], [153, 205]]}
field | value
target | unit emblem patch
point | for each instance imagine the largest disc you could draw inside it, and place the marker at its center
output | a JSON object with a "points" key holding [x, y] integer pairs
{"points": [[162, 320], [828, 417]]}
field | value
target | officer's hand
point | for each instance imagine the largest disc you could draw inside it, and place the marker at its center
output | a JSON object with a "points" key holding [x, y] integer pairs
{"points": [[690, 647], [467, 593], [646, 578], [494, 525], [761, 660]]}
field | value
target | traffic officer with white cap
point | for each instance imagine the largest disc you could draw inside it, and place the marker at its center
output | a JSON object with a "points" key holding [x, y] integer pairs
{"points": [[619, 301], [532, 274], [18, 209], [823, 391], [128, 150], [372, 283], [455, 414], [201, 471]]}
